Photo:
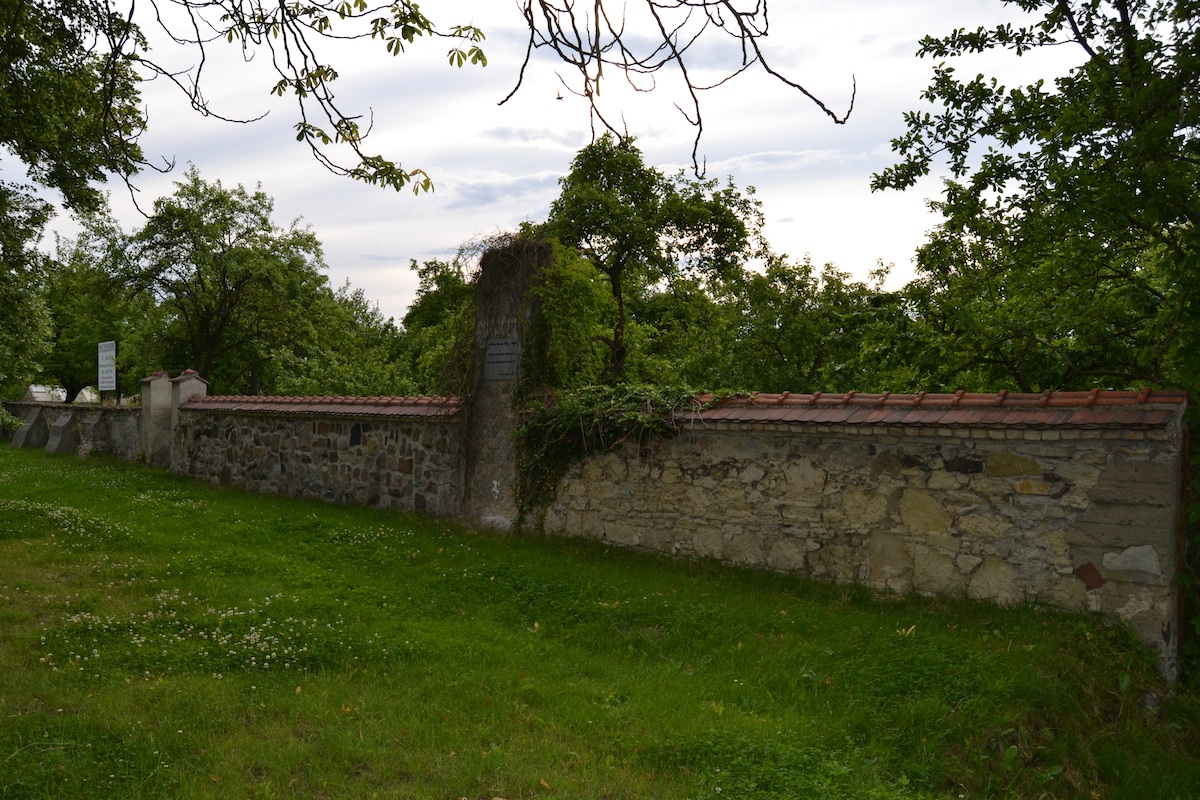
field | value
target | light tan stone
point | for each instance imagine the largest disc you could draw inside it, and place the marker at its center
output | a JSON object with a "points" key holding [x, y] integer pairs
{"points": [[787, 555], [745, 548], [1058, 551], [967, 563], [803, 476], [1078, 475], [833, 561], [1028, 486], [891, 561], [921, 513], [752, 473], [1007, 464], [984, 525], [1068, 592], [708, 542], [935, 572], [864, 507], [993, 580], [941, 480], [671, 474]]}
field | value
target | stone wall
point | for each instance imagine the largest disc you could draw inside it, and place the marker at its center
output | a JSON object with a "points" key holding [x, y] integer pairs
{"points": [[371, 452], [1082, 519], [80, 429], [1071, 499]]}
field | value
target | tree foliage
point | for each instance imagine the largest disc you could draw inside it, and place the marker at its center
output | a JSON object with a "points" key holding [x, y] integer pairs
{"points": [[89, 303], [355, 351], [69, 103], [69, 71], [1069, 253], [24, 322], [232, 288], [644, 231]]}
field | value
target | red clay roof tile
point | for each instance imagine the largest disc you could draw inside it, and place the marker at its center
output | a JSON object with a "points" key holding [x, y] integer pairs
{"points": [[340, 406], [1090, 409]]}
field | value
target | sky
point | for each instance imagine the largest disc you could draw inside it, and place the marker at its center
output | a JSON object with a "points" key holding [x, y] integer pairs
{"points": [[494, 166]]}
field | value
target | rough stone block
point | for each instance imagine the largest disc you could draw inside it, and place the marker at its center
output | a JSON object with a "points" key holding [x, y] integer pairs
{"points": [[864, 508], [921, 513], [1069, 594], [1032, 487], [1138, 558], [1007, 464], [836, 562], [936, 573], [1116, 526], [787, 555], [993, 580], [891, 561]]}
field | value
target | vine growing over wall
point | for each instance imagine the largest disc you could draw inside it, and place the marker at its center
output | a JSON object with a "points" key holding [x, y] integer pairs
{"points": [[562, 430]]}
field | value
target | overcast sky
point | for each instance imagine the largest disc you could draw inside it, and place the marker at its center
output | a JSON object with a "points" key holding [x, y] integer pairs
{"points": [[495, 166]]}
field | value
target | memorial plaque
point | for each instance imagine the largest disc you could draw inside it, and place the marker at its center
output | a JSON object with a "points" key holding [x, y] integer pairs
{"points": [[107, 358], [502, 359]]}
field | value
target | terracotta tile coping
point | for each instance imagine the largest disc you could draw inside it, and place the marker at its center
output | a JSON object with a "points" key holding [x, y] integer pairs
{"points": [[1001, 399], [340, 406], [1092, 409]]}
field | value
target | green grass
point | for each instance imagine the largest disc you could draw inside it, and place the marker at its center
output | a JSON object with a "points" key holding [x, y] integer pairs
{"points": [[160, 638]]}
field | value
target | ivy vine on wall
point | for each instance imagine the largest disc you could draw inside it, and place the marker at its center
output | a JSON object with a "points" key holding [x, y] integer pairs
{"points": [[561, 430]]}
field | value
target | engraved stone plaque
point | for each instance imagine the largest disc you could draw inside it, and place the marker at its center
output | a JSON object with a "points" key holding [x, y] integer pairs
{"points": [[502, 359]]}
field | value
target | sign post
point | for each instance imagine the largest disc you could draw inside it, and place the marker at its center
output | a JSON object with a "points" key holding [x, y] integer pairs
{"points": [[107, 359]]}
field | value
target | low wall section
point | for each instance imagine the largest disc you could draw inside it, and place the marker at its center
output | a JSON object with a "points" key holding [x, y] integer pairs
{"points": [[397, 452], [78, 429], [1072, 499]]}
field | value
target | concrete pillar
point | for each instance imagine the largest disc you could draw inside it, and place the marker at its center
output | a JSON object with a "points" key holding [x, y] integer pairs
{"points": [[154, 422]]}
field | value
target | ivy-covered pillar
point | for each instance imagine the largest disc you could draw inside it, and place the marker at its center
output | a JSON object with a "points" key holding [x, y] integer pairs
{"points": [[505, 365]]}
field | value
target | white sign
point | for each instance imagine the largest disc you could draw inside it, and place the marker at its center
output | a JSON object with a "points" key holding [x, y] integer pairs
{"points": [[108, 367], [502, 359]]}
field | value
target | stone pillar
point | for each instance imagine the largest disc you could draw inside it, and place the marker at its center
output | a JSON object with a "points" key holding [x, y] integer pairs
{"points": [[155, 420], [33, 431], [505, 310], [187, 386]]}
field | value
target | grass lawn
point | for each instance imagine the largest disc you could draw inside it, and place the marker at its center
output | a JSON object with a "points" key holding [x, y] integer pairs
{"points": [[161, 638]]}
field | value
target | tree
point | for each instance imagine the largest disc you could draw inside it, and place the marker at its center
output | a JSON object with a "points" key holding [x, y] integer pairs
{"points": [[69, 104], [24, 321], [355, 351], [642, 229], [1076, 200], [232, 287], [803, 330], [988, 321], [88, 304]]}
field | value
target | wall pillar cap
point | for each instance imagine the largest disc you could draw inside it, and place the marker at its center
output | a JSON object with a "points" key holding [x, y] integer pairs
{"points": [[188, 374]]}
